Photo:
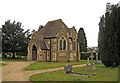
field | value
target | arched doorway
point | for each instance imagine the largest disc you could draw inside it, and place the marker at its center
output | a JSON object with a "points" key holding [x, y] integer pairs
{"points": [[34, 52]]}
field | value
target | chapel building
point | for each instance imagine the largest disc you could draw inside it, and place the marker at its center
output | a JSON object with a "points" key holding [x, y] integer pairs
{"points": [[54, 42]]}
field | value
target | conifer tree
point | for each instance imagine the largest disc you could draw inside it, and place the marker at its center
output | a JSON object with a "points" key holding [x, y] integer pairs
{"points": [[109, 40], [82, 40]]}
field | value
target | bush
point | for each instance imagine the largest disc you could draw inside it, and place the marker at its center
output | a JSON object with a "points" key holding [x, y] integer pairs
{"points": [[85, 55], [21, 53], [10, 54]]}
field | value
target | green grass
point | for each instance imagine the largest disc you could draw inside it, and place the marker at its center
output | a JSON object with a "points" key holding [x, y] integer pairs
{"points": [[119, 73], [45, 65], [102, 74], [2, 64], [12, 60]]}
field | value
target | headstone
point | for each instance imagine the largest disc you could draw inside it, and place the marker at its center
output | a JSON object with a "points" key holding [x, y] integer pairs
{"points": [[91, 66], [92, 56], [88, 63], [97, 61], [68, 69], [96, 56]]}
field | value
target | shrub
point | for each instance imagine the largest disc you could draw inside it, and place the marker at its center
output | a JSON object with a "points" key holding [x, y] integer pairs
{"points": [[21, 53], [85, 55]]}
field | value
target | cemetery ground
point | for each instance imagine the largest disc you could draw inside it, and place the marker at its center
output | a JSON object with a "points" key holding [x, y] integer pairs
{"points": [[36, 71], [3, 61], [2, 64], [102, 74], [45, 65], [18, 58], [16, 71], [13, 60]]}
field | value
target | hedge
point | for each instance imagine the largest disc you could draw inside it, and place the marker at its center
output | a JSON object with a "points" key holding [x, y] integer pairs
{"points": [[85, 55]]}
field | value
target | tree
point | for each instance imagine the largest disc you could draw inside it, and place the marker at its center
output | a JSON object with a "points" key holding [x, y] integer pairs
{"points": [[82, 40], [101, 36], [0, 40], [40, 27], [108, 39], [14, 38]]}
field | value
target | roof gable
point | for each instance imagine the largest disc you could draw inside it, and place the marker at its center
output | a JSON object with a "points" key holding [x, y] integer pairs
{"points": [[49, 30], [52, 27]]}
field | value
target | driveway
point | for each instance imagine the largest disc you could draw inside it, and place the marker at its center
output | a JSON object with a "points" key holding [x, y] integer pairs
{"points": [[15, 71]]}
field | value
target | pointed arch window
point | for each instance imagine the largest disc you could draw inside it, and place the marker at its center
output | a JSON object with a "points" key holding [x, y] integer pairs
{"points": [[62, 44]]}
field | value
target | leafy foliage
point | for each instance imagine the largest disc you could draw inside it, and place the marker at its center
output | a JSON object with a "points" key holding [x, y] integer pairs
{"points": [[82, 40], [85, 55], [109, 37], [14, 38]]}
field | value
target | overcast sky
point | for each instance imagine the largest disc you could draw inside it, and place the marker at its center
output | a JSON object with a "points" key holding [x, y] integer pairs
{"points": [[78, 13]]}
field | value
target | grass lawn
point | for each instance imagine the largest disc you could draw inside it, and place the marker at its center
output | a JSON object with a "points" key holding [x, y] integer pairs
{"points": [[13, 60], [102, 74], [2, 64], [44, 65]]}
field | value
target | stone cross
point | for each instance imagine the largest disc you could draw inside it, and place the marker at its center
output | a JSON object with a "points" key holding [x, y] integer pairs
{"points": [[88, 63], [92, 56], [91, 66]]}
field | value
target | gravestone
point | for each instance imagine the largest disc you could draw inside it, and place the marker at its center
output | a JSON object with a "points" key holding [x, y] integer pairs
{"points": [[97, 61], [96, 56], [88, 62], [91, 66], [68, 69]]}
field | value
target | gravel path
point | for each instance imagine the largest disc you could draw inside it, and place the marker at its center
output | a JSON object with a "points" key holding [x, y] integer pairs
{"points": [[15, 71]]}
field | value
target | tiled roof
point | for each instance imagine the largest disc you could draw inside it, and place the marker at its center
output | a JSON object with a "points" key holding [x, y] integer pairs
{"points": [[52, 28], [43, 45], [49, 30]]}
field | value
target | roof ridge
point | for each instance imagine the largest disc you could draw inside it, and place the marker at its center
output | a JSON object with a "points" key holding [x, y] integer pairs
{"points": [[54, 20]]}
